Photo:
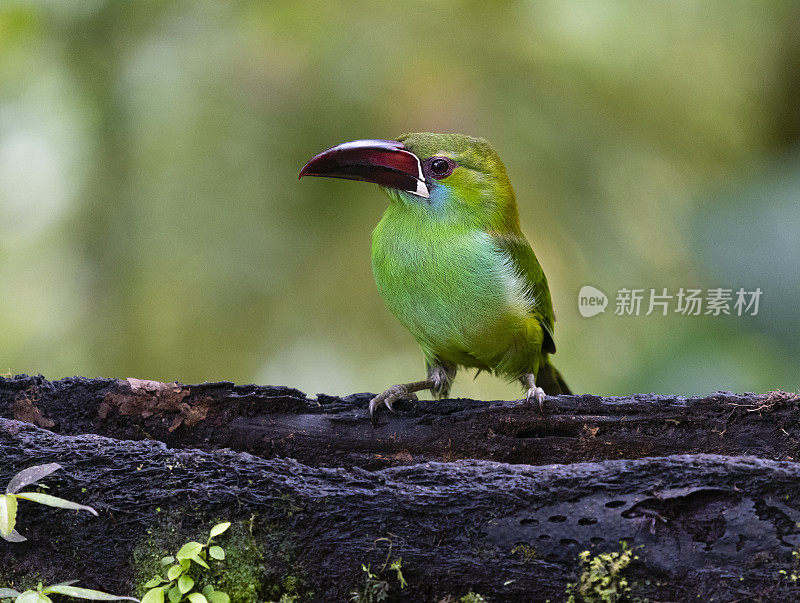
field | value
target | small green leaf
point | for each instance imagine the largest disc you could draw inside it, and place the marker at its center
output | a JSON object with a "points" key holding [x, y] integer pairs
{"points": [[8, 514], [84, 593], [185, 584], [185, 563], [155, 595], [216, 552], [219, 529], [197, 598], [208, 589], [200, 561], [55, 501], [219, 597], [174, 594], [167, 560], [29, 476], [189, 550], [9, 592], [174, 572], [32, 596], [155, 581]]}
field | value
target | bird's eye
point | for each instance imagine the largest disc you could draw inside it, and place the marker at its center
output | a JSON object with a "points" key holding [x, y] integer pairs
{"points": [[441, 167]]}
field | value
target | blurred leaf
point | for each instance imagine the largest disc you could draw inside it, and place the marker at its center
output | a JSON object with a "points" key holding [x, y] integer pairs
{"points": [[189, 550], [31, 475], [9, 592], [200, 561], [55, 501], [8, 514], [84, 593], [15, 536], [32, 596], [154, 595], [219, 529], [185, 584]]}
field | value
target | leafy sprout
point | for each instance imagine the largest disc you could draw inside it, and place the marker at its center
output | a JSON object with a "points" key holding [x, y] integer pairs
{"points": [[376, 588], [180, 583], [9, 500]]}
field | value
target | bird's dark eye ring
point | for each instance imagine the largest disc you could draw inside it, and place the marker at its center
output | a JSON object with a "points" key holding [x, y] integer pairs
{"points": [[441, 167]]}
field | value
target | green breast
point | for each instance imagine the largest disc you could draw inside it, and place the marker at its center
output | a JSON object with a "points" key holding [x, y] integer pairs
{"points": [[450, 287]]}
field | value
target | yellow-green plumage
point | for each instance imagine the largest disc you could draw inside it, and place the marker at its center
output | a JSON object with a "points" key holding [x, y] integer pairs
{"points": [[451, 261], [457, 271]]}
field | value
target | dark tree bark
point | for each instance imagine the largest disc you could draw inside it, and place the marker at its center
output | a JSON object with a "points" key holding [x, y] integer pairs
{"points": [[336, 432], [709, 526]]}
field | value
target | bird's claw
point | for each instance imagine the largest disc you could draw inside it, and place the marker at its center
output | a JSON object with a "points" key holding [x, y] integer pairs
{"points": [[537, 394], [389, 397]]}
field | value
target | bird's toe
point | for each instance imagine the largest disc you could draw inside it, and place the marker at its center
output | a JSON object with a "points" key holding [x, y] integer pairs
{"points": [[388, 398], [373, 405], [536, 394]]}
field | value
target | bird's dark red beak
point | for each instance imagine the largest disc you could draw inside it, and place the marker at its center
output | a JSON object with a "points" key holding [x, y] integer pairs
{"points": [[384, 162]]}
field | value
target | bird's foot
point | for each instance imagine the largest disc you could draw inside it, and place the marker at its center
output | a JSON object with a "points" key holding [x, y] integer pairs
{"points": [[536, 394], [389, 397]]}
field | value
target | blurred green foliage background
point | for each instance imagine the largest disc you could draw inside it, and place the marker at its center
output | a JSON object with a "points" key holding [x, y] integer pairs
{"points": [[152, 224]]}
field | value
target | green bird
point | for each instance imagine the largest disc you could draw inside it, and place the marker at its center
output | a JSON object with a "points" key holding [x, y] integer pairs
{"points": [[451, 262]]}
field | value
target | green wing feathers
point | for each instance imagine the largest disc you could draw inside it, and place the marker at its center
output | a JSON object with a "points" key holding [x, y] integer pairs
{"points": [[529, 269]]}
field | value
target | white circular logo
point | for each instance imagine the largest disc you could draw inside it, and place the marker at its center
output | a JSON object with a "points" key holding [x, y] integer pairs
{"points": [[591, 301]]}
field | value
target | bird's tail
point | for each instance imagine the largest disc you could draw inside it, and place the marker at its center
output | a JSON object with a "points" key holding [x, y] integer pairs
{"points": [[550, 380]]}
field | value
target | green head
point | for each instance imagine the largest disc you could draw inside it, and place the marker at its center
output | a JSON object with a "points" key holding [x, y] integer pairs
{"points": [[449, 177]]}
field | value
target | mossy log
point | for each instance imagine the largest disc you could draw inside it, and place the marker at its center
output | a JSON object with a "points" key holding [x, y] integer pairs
{"points": [[315, 491]]}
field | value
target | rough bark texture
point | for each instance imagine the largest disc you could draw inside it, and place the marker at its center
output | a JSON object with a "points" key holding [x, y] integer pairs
{"points": [[336, 432], [316, 491]]}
